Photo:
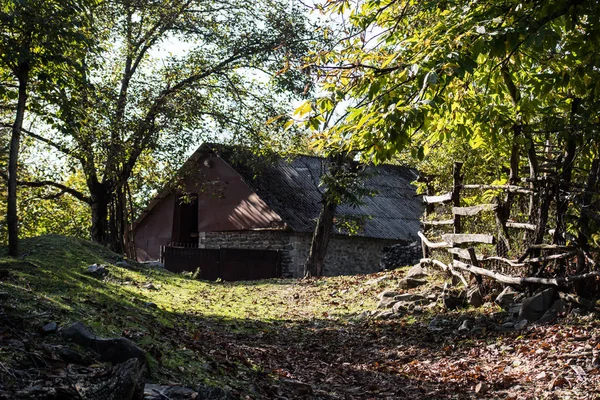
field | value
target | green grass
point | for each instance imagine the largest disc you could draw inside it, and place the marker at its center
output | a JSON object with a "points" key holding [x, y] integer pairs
{"points": [[50, 278]]}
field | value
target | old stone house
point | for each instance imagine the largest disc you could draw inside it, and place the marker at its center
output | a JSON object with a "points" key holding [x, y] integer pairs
{"points": [[227, 197]]}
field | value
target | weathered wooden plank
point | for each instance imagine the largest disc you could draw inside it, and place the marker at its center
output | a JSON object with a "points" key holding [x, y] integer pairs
{"points": [[459, 238], [474, 210], [443, 198], [438, 223], [432, 245], [520, 225]]}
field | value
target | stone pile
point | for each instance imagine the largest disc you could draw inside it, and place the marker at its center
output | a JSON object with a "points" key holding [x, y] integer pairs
{"points": [[400, 255]]}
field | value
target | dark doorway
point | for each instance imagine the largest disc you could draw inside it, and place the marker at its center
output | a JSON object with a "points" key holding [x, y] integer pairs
{"points": [[185, 219]]}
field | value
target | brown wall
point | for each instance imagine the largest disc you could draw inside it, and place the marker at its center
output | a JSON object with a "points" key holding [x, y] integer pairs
{"points": [[154, 231], [225, 203]]}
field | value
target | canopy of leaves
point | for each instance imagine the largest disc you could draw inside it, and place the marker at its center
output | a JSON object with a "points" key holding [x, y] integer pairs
{"points": [[423, 72]]}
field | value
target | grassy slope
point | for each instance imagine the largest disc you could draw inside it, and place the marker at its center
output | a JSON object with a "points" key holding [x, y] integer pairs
{"points": [[50, 278]]}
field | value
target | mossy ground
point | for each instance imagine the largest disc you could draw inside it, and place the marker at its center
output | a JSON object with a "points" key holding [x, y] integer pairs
{"points": [[48, 282]]}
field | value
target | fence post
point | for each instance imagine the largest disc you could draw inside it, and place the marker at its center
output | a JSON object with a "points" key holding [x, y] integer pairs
{"points": [[456, 187]]}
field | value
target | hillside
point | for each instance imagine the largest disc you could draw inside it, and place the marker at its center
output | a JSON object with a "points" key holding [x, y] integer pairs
{"points": [[274, 339]]}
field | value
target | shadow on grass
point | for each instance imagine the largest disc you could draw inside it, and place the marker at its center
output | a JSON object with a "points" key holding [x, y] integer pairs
{"points": [[313, 357]]}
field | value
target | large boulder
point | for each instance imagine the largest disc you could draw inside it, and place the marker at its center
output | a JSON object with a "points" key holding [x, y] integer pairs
{"points": [[535, 307], [115, 350]]}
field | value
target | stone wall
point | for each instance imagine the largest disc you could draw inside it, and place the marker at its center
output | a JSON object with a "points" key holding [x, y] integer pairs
{"points": [[257, 240], [345, 255]]}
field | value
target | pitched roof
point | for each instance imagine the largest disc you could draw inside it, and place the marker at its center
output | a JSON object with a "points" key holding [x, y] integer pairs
{"points": [[291, 188]]}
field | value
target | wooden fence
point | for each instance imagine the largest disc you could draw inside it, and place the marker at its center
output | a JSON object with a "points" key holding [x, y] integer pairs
{"points": [[516, 252]]}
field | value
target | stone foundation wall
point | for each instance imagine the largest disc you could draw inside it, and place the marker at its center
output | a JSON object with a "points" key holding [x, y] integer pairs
{"points": [[258, 240], [345, 255]]}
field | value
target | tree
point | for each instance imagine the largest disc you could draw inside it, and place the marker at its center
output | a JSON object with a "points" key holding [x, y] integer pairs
{"points": [[40, 41], [342, 180], [432, 71], [232, 63]]}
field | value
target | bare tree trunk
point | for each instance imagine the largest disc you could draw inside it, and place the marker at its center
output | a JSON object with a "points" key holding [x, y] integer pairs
{"points": [[12, 217], [315, 262], [99, 204]]}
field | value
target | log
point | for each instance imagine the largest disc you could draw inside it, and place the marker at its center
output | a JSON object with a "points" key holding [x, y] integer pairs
{"points": [[543, 246], [513, 280], [474, 210], [438, 223], [443, 198], [521, 225], [512, 263], [458, 238], [445, 268], [507, 188], [550, 258], [432, 245]]}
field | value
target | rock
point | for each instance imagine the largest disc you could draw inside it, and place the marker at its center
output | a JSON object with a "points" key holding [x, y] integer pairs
{"points": [[123, 264], [387, 293], [506, 298], [153, 264], [400, 255], [438, 323], [410, 283], [416, 272], [474, 297], [481, 388], [97, 270], [386, 299], [399, 307], [535, 307], [514, 310], [301, 388], [125, 383], [49, 328], [71, 356], [557, 308], [411, 298], [112, 350], [160, 392], [521, 324], [453, 302], [384, 315], [386, 302], [150, 286], [464, 327]]}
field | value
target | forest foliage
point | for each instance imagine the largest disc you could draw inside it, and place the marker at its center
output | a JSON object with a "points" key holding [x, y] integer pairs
{"points": [[440, 79]]}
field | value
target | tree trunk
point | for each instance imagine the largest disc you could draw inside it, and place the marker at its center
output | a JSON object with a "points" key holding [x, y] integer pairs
{"points": [[12, 217], [314, 265], [99, 204]]}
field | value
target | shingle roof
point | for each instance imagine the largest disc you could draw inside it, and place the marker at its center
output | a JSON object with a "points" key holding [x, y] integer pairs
{"points": [[291, 188]]}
